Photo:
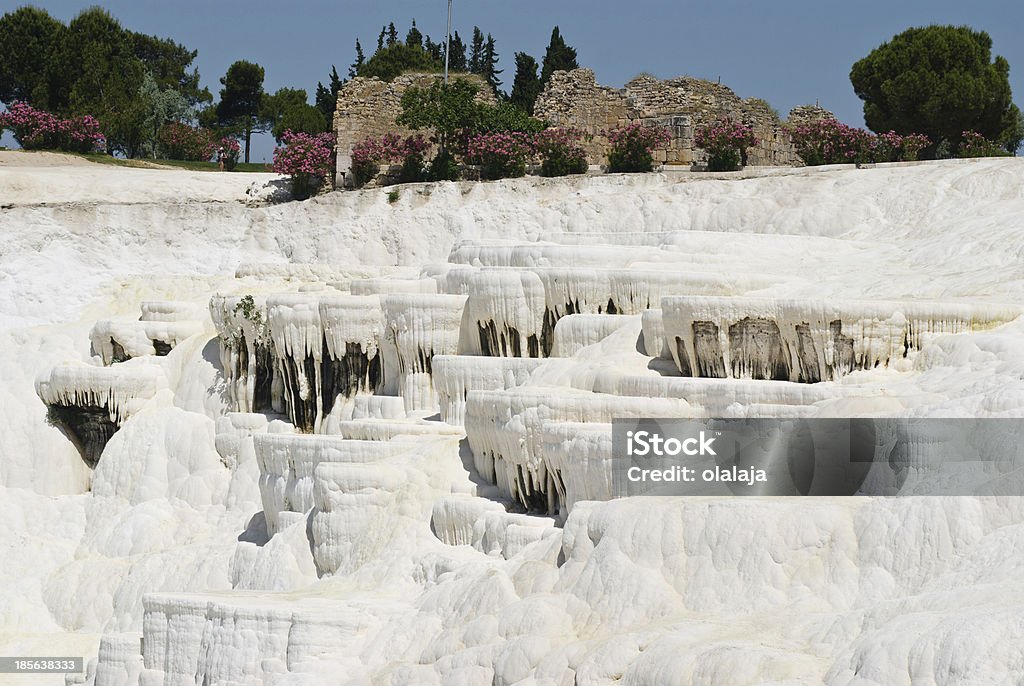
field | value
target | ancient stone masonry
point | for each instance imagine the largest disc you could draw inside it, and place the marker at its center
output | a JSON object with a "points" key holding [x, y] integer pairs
{"points": [[370, 107], [574, 98]]}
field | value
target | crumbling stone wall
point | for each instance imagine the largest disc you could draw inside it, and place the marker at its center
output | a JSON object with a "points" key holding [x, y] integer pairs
{"points": [[370, 107], [574, 98]]}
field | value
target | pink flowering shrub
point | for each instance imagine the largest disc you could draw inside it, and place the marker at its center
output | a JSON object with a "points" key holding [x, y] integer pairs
{"points": [[831, 142], [632, 145], [39, 130], [500, 155], [974, 144], [369, 154], [561, 152], [308, 158], [183, 142], [726, 143]]}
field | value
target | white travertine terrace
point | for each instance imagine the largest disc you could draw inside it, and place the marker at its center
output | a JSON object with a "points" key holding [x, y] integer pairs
{"points": [[457, 375], [116, 341], [297, 514], [422, 326], [809, 340]]}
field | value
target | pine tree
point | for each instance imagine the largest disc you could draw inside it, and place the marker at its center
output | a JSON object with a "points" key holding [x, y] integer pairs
{"points": [[414, 38], [435, 50], [327, 96], [457, 62], [353, 70], [380, 38], [476, 52], [526, 86], [488, 62], [392, 34], [559, 57]]}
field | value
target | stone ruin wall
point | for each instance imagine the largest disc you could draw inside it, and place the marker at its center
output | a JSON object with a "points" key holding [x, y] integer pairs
{"points": [[370, 107], [574, 98]]}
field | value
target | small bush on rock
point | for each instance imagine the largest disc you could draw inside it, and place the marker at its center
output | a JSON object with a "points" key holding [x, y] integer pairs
{"points": [[369, 154], [973, 144], [726, 144], [828, 141], [560, 152], [632, 147], [500, 155], [307, 158]]}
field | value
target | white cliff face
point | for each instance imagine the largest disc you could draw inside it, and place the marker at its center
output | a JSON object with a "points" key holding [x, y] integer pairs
{"points": [[370, 439]]}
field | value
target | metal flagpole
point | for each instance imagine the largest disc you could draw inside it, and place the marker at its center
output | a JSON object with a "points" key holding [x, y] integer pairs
{"points": [[448, 42]]}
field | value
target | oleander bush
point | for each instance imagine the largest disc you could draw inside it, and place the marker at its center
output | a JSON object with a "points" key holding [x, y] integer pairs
{"points": [[974, 144], [36, 129], [183, 142], [307, 158], [500, 155], [560, 151], [828, 141], [632, 146], [726, 144]]}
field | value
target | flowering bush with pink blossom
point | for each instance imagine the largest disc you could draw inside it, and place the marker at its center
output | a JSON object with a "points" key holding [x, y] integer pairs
{"points": [[36, 129], [307, 158], [561, 152], [828, 141], [369, 154], [183, 142], [632, 146], [726, 144], [974, 144], [500, 155]]}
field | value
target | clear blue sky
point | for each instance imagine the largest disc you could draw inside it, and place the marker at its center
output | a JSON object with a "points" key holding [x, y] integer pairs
{"points": [[789, 53]]}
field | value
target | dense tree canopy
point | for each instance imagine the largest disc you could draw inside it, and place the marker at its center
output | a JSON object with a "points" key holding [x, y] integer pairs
{"points": [[241, 100], [527, 86], [939, 81], [558, 57], [289, 110], [95, 66]]}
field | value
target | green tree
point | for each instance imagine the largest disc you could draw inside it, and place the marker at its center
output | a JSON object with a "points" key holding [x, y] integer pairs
{"points": [[939, 81], [353, 70], [488, 64], [28, 36], [446, 109], [288, 110], [159, 106], [327, 96], [392, 34], [414, 39], [526, 87], [394, 60], [241, 100], [476, 52], [457, 62], [168, 62], [558, 57]]}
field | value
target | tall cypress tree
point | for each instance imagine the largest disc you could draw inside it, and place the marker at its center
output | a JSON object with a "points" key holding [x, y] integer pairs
{"points": [[457, 62], [526, 86], [488, 62], [414, 38], [327, 96], [392, 34], [476, 52], [353, 70], [559, 57]]}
